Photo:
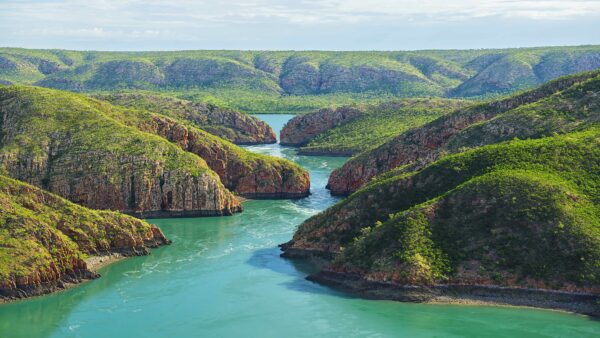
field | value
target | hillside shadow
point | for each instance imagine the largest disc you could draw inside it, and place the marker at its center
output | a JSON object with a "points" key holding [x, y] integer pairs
{"points": [[269, 258]]}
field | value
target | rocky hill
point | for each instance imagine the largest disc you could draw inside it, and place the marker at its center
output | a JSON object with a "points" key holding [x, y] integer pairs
{"points": [[562, 105], [272, 80], [45, 239], [231, 125], [105, 157], [348, 130], [248, 174], [520, 215]]}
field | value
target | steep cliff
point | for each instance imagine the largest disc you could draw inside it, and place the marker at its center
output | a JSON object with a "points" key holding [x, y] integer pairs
{"points": [[562, 105], [522, 214], [70, 145], [352, 129], [303, 128], [248, 174], [234, 126], [45, 239]]}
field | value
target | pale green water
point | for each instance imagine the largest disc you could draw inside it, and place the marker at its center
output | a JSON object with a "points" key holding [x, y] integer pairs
{"points": [[222, 277]]}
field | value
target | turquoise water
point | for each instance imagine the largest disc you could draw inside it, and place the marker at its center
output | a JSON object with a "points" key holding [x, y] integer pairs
{"points": [[223, 277]]}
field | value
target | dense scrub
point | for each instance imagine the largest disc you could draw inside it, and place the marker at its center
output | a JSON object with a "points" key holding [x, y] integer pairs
{"points": [[566, 104], [298, 81], [234, 126], [106, 157], [521, 213], [44, 239], [330, 131]]}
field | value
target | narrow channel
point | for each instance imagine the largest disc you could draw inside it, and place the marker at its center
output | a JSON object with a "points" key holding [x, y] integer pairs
{"points": [[223, 277]]}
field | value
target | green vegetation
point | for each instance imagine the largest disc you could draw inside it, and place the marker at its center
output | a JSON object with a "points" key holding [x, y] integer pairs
{"points": [[379, 123], [110, 157], [287, 81], [44, 119], [44, 237], [563, 105], [237, 127], [234, 165], [525, 212], [500, 193], [79, 148]]}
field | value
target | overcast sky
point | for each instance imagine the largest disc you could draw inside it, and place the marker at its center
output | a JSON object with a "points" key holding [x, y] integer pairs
{"points": [[297, 24]]}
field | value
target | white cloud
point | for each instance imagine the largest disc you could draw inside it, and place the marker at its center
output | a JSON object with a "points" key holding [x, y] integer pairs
{"points": [[189, 20]]}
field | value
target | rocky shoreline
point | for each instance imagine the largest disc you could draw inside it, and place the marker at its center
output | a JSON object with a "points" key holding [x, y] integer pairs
{"points": [[576, 302], [185, 213], [275, 195], [86, 272], [333, 153]]}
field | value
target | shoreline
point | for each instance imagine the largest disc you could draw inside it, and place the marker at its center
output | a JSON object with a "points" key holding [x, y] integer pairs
{"points": [[571, 302], [94, 264]]}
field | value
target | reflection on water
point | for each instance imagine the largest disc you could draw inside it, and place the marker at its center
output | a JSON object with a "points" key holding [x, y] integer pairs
{"points": [[222, 277]]}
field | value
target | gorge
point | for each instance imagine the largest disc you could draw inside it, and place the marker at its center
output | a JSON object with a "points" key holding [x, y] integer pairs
{"points": [[223, 277]]}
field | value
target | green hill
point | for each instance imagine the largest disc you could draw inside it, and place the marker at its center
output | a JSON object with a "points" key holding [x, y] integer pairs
{"points": [[234, 126], [298, 81], [523, 213], [107, 157], [348, 130], [45, 239], [566, 104]]}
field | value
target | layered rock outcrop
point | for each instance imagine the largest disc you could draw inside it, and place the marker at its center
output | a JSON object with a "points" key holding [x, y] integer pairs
{"points": [[303, 128], [468, 128], [518, 215], [349, 130], [45, 239], [234, 126], [264, 77], [250, 175], [70, 145]]}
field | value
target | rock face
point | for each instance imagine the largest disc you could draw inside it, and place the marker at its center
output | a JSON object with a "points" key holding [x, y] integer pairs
{"points": [[250, 175], [517, 116], [236, 127], [45, 239], [69, 145], [303, 128], [349, 130], [521, 214]]}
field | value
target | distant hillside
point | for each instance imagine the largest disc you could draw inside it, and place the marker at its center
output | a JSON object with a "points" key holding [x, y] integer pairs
{"points": [[298, 81], [234, 126], [566, 104], [348, 130]]}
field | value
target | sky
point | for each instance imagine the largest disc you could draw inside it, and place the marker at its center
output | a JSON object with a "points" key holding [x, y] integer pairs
{"points": [[297, 24]]}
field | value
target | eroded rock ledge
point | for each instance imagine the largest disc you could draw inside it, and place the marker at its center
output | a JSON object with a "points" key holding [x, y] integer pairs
{"points": [[46, 240], [231, 125], [303, 128], [577, 302]]}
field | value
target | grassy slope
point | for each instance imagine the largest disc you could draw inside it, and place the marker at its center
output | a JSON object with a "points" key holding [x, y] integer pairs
{"points": [[225, 123], [520, 212], [562, 105], [55, 139], [88, 124], [43, 236], [298, 81], [379, 123], [251, 164]]}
